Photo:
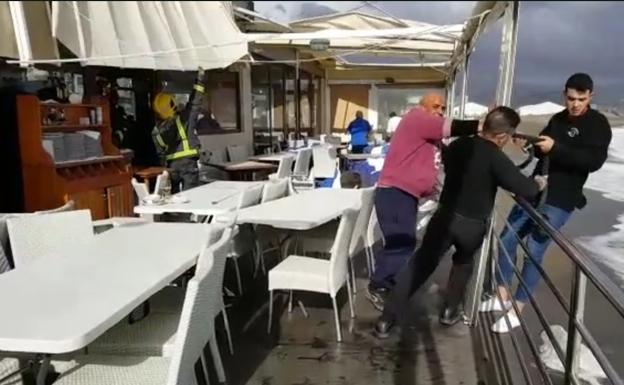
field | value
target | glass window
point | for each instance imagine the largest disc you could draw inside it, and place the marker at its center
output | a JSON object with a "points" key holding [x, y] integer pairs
{"points": [[304, 100], [277, 96], [291, 114], [260, 97], [222, 99], [398, 100]]}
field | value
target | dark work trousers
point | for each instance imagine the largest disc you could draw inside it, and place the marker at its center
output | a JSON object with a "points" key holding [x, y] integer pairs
{"points": [[184, 172], [445, 229], [396, 212], [358, 148]]}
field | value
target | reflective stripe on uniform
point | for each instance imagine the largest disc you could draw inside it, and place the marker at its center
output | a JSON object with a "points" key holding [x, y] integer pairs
{"points": [[182, 154], [199, 88], [186, 148], [160, 141]]}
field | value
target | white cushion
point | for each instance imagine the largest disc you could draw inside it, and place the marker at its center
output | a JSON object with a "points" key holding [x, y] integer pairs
{"points": [[300, 273], [108, 370], [8, 366], [152, 336]]}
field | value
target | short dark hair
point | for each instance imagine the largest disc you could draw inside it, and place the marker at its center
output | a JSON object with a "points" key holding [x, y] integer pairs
{"points": [[392, 114], [350, 179], [359, 114], [501, 120], [581, 82]]}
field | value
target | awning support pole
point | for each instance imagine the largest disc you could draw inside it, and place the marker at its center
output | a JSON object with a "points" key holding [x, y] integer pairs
{"points": [[464, 89], [508, 54]]}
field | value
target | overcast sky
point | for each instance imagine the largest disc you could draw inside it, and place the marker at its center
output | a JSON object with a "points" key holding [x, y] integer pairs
{"points": [[555, 40]]}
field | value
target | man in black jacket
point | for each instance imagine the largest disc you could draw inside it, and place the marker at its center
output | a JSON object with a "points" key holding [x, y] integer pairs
{"points": [[475, 167], [574, 144]]}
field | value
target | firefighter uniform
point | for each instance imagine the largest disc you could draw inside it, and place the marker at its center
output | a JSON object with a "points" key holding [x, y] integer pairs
{"points": [[176, 140]]}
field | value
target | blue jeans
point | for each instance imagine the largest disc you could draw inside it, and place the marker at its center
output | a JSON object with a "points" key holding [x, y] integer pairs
{"points": [[537, 243]]}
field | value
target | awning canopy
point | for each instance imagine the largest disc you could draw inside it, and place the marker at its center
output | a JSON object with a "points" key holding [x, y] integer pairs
{"points": [[358, 40], [25, 31], [164, 35], [253, 22], [159, 35]]}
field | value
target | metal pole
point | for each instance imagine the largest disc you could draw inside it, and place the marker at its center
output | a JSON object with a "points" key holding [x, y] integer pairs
{"points": [[464, 89], [573, 339], [297, 102], [271, 103], [475, 290], [450, 95], [508, 54], [580, 315]]}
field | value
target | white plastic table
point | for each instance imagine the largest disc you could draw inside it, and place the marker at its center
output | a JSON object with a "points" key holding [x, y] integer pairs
{"points": [[302, 211], [207, 200], [362, 156], [62, 303], [273, 158]]}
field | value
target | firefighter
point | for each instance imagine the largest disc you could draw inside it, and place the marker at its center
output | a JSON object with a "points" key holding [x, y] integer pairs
{"points": [[175, 136]]}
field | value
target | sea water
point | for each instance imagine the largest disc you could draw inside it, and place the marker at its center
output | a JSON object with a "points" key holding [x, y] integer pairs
{"points": [[608, 249]]}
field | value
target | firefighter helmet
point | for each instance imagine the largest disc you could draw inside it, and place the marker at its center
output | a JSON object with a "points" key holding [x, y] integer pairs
{"points": [[164, 105]]}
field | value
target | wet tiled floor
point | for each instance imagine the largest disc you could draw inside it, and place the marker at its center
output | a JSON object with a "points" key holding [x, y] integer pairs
{"points": [[303, 350]]}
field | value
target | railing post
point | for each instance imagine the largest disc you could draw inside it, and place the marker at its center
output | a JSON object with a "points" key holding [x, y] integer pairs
{"points": [[580, 316], [576, 310], [476, 288]]}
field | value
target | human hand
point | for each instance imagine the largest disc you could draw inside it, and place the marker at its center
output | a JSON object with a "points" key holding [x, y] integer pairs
{"points": [[546, 144], [519, 142], [542, 181]]}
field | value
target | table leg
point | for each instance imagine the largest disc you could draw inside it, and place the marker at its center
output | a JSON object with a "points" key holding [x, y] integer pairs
{"points": [[43, 370]]}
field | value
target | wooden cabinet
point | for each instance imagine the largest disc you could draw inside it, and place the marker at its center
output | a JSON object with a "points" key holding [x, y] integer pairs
{"points": [[100, 184], [119, 201], [95, 200]]}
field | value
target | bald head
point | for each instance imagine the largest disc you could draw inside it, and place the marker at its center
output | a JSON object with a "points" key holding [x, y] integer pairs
{"points": [[433, 103]]}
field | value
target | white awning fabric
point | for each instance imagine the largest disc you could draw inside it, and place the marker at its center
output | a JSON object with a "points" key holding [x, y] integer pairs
{"points": [[25, 31], [160, 35]]}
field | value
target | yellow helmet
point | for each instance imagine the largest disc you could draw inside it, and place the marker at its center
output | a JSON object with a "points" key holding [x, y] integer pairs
{"points": [[164, 105]]}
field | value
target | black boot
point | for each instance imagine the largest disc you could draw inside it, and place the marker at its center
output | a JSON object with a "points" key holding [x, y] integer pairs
{"points": [[383, 326], [452, 311]]}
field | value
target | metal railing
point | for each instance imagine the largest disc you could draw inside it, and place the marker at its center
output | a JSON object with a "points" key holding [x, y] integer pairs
{"points": [[584, 271]]}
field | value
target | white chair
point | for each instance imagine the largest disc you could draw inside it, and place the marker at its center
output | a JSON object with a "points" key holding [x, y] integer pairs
{"points": [[321, 240], [68, 206], [317, 275], [160, 182], [155, 335], [238, 153], [195, 330], [325, 159], [284, 170], [272, 191], [38, 236], [9, 366], [141, 191], [169, 300], [249, 197], [302, 163]]}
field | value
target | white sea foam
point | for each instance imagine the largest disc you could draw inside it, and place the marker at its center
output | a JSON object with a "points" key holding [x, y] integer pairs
{"points": [[608, 248]]}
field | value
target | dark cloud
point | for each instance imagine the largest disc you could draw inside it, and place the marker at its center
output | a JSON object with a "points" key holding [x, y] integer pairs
{"points": [[314, 10], [555, 40]]}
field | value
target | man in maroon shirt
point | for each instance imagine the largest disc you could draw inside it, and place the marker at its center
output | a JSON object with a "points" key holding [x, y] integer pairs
{"points": [[409, 174]]}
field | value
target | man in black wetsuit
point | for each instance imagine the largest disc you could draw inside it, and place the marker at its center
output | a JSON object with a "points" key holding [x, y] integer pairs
{"points": [[475, 167]]}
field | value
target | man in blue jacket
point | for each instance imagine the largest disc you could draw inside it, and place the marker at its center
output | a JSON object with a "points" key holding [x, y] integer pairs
{"points": [[359, 129]]}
